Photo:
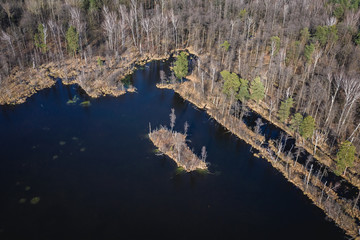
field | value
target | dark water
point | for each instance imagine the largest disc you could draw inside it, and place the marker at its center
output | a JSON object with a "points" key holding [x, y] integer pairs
{"points": [[98, 178]]}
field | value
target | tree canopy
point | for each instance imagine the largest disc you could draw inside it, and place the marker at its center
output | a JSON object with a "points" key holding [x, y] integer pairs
{"points": [[345, 157], [231, 83], [307, 127], [181, 67], [72, 39], [284, 110], [257, 90]]}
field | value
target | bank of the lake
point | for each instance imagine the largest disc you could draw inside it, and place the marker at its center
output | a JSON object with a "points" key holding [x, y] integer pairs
{"points": [[339, 210], [58, 151]]}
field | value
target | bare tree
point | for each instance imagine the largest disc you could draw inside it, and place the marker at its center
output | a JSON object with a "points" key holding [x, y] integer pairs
{"points": [[110, 26], [186, 128], [351, 88], [172, 119], [6, 38], [203, 154]]}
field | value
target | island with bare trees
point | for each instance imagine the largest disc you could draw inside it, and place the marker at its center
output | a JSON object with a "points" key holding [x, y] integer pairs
{"points": [[173, 144]]}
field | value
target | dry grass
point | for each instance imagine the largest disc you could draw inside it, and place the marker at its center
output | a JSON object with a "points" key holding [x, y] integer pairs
{"points": [[173, 144], [324, 197]]}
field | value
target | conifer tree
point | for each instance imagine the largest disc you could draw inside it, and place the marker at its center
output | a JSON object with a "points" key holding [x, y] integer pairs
{"points": [[307, 127], [243, 94], [72, 39], [257, 90], [345, 157], [181, 66], [231, 84], [284, 110], [296, 122]]}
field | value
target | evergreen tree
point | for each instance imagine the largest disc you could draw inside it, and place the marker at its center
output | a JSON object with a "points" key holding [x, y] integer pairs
{"points": [[307, 127], [243, 94], [257, 90], [225, 45], [321, 35], [308, 52], [181, 66], [284, 110], [305, 35], [72, 39], [357, 39], [276, 41], [345, 157], [39, 38], [231, 83], [296, 122]]}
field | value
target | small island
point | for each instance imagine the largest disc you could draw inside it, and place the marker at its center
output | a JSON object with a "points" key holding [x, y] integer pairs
{"points": [[173, 144]]}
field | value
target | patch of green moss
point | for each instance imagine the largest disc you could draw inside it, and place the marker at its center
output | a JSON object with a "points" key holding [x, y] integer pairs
{"points": [[22, 200], [27, 188], [179, 170], [85, 104], [202, 171], [73, 100], [35, 200]]}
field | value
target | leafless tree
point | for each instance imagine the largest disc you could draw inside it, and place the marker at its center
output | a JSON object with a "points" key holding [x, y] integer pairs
{"points": [[172, 119], [110, 26], [351, 87], [6, 38], [203, 154], [186, 128]]}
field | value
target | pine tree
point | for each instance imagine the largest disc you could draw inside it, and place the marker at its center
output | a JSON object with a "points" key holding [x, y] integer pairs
{"points": [[181, 66], [308, 52], [296, 122], [257, 90], [307, 127], [39, 38], [231, 84], [225, 45], [243, 94], [284, 110], [345, 157], [276, 41], [72, 39]]}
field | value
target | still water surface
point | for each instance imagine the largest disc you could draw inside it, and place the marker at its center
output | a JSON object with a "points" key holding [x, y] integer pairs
{"points": [[97, 175]]}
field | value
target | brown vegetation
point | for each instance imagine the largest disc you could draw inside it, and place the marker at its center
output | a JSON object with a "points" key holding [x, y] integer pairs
{"points": [[173, 144], [342, 211]]}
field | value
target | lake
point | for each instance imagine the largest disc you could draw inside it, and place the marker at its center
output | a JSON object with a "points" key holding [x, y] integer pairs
{"points": [[96, 175]]}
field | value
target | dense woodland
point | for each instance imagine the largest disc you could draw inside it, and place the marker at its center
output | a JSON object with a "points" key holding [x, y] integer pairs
{"points": [[305, 53]]}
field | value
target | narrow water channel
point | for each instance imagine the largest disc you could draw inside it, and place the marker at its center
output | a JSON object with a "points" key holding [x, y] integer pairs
{"points": [[95, 175]]}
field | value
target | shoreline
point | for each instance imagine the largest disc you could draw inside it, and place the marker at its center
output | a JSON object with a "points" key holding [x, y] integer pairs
{"points": [[96, 80], [173, 145], [346, 219], [42, 79]]}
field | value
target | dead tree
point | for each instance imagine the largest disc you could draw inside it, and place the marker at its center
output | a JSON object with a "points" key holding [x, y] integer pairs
{"points": [[172, 119]]}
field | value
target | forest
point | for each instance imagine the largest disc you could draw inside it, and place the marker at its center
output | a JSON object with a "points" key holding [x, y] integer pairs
{"points": [[295, 62]]}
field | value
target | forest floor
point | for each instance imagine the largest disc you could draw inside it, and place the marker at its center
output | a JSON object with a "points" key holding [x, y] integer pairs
{"points": [[173, 144]]}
